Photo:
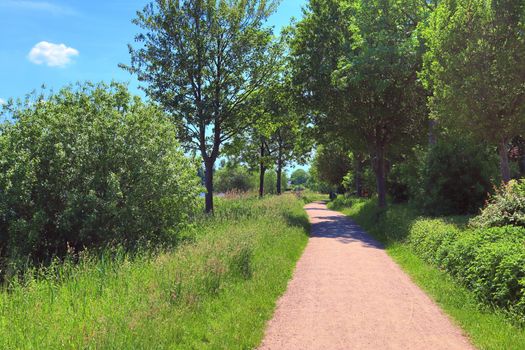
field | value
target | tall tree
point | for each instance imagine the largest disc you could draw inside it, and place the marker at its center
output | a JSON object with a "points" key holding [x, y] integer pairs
{"points": [[289, 140], [475, 66], [278, 137], [202, 60], [375, 100]]}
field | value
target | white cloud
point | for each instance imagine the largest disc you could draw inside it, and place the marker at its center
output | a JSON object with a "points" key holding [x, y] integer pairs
{"points": [[2, 101], [54, 55], [37, 6]]}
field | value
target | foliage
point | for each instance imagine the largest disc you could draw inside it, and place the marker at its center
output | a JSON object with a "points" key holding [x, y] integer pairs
{"points": [[475, 67], [215, 292], [360, 180], [233, 178], [89, 166], [270, 178], [315, 184], [332, 163], [455, 177], [299, 177], [490, 261], [505, 207], [277, 138], [202, 60], [359, 74]]}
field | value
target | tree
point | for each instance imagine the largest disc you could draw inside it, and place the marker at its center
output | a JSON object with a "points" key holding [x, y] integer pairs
{"points": [[332, 162], [202, 60], [475, 66], [367, 86], [299, 177], [277, 138], [289, 141], [233, 177]]}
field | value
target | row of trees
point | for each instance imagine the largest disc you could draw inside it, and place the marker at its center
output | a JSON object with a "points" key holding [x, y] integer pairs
{"points": [[375, 78], [365, 79], [218, 71]]}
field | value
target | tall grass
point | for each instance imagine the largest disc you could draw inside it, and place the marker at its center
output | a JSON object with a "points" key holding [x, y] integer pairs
{"points": [[216, 291]]}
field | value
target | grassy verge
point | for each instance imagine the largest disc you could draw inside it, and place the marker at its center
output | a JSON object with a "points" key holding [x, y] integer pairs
{"points": [[215, 292], [488, 328]]}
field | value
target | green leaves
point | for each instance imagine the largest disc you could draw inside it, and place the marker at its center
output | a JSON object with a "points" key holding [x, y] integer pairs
{"points": [[475, 66], [88, 166]]}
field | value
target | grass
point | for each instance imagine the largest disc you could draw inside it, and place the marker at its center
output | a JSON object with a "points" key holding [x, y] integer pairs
{"points": [[487, 328], [217, 291]]}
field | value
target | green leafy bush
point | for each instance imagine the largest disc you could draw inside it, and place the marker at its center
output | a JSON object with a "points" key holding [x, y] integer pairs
{"points": [[455, 178], [488, 261], [233, 178], [505, 207], [491, 262], [89, 166]]}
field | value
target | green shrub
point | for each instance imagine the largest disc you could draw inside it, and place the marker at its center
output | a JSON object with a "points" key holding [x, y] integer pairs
{"points": [[505, 207], [488, 261], [90, 166], [233, 178], [491, 262], [455, 178]]}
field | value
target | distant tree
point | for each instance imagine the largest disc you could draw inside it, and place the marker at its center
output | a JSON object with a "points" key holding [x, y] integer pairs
{"points": [[277, 138], [202, 60], [299, 177], [475, 67], [233, 177], [289, 141]]}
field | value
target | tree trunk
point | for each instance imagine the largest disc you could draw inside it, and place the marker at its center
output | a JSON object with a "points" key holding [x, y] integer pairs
{"points": [[208, 182], [262, 171], [380, 170], [358, 174], [279, 180], [521, 158], [279, 172], [504, 160]]}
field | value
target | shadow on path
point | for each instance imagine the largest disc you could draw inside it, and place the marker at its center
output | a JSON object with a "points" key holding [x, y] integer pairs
{"points": [[342, 229]]}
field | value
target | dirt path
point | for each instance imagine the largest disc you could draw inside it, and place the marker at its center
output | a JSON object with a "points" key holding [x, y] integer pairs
{"points": [[347, 293]]}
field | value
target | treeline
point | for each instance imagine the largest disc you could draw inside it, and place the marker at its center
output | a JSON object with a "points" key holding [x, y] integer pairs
{"points": [[421, 95], [425, 96]]}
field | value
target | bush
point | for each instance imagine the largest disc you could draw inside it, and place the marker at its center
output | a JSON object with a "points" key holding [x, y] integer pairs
{"points": [[233, 178], [490, 262], [90, 166], [505, 207], [455, 178]]}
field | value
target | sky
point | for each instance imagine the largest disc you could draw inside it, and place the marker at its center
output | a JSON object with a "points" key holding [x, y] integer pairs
{"points": [[57, 42]]}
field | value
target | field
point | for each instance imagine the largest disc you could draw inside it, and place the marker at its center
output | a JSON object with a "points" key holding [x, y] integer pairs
{"points": [[216, 291]]}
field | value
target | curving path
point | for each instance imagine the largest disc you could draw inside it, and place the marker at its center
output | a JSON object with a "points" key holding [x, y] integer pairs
{"points": [[347, 293]]}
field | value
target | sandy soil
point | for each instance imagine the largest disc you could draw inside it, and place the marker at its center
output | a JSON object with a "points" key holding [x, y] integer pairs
{"points": [[347, 293]]}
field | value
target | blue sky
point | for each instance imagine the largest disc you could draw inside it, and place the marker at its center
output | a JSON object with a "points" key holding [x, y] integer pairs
{"points": [[56, 42]]}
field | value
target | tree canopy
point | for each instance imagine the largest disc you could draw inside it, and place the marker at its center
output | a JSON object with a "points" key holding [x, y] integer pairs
{"points": [[475, 67], [202, 60]]}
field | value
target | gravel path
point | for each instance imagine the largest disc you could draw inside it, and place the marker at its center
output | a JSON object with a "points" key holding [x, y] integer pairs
{"points": [[347, 293]]}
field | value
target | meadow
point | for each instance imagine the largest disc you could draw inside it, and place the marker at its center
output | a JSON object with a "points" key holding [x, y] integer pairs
{"points": [[214, 291]]}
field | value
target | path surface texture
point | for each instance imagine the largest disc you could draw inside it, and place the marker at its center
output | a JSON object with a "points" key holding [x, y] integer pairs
{"points": [[347, 293]]}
